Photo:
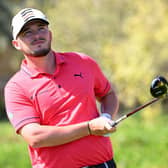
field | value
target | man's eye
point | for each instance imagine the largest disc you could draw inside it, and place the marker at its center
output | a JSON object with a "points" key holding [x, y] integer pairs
{"points": [[27, 33], [41, 28]]}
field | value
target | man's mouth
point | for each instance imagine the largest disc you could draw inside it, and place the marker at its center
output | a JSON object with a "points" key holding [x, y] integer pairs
{"points": [[37, 42]]}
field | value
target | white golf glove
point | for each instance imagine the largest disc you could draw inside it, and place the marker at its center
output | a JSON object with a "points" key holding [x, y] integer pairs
{"points": [[109, 123]]}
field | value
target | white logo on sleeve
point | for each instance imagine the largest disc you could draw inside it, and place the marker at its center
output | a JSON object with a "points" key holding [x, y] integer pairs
{"points": [[10, 115]]}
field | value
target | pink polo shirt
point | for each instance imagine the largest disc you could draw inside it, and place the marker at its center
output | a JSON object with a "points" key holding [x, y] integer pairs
{"points": [[63, 98]]}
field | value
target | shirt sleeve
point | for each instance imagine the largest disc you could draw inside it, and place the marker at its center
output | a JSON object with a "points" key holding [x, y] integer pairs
{"points": [[101, 83], [19, 108]]}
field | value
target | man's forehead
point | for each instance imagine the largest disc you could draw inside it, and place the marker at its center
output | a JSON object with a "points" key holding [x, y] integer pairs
{"points": [[34, 22]]}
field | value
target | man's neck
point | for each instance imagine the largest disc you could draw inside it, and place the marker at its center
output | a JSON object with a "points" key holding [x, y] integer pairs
{"points": [[46, 64]]}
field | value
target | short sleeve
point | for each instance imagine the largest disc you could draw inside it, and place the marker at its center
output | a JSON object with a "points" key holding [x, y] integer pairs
{"points": [[19, 108], [101, 83]]}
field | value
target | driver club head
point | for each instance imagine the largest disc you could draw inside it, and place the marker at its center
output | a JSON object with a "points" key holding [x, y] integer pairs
{"points": [[159, 87]]}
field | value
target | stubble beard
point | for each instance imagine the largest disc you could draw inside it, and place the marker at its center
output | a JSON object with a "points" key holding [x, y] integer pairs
{"points": [[41, 52]]}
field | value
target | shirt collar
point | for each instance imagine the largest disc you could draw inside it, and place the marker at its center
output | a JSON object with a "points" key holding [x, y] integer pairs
{"points": [[34, 73]]}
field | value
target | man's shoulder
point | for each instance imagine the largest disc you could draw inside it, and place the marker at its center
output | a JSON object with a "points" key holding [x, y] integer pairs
{"points": [[16, 78], [75, 55]]}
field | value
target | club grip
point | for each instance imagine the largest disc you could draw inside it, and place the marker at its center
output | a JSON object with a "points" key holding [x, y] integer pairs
{"points": [[119, 120]]}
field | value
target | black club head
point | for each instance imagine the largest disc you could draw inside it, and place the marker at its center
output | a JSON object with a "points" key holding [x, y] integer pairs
{"points": [[159, 87]]}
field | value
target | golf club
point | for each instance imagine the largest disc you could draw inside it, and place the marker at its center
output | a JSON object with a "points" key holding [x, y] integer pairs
{"points": [[158, 89]]}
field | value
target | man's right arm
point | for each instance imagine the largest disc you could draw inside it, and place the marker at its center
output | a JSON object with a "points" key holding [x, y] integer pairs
{"points": [[37, 135]]}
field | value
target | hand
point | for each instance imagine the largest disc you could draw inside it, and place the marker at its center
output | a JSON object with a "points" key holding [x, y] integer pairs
{"points": [[101, 126]]}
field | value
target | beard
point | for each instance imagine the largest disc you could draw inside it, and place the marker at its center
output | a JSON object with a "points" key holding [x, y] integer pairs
{"points": [[40, 52]]}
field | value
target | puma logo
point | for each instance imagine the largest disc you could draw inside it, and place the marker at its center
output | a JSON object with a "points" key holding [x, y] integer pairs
{"points": [[79, 75]]}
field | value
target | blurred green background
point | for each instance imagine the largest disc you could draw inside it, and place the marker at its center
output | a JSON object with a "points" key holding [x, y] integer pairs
{"points": [[129, 41]]}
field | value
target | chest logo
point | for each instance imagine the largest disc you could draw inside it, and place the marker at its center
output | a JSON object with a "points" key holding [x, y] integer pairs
{"points": [[79, 75]]}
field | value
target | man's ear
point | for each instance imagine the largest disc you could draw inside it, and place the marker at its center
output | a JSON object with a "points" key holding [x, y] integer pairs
{"points": [[16, 44], [50, 35]]}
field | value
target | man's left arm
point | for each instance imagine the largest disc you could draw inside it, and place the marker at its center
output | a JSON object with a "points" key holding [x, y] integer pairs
{"points": [[109, 104], [109, 107]]}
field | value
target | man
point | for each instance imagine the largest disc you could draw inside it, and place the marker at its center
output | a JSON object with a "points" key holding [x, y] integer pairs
{"points": [[51, 100]]}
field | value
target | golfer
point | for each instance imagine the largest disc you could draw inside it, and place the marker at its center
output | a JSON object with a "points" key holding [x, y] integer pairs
{"points": [[51, 100]]}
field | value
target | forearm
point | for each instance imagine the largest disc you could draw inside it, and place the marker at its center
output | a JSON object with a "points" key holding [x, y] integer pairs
{"points": [[45, 136], [110, 103], [103, 125]]}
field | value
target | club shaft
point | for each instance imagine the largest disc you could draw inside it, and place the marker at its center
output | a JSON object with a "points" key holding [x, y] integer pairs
{"points": [[134, 111], [143, 106]]}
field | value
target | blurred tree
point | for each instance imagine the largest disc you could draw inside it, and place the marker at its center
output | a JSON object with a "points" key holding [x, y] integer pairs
{"points": [[128, 39], [5, 17]]}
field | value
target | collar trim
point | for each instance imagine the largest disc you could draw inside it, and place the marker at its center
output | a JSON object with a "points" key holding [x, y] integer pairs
{"points": [[34, 73]]}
